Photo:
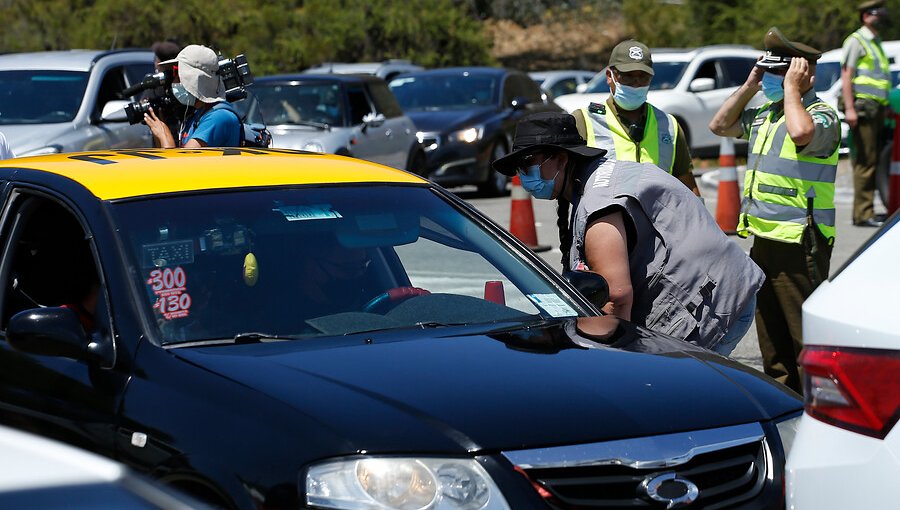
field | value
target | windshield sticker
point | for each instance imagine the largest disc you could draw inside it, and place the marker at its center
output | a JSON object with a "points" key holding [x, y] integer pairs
{"points": [[307, 212], [170, 287], [168, 254], [552, 304]]}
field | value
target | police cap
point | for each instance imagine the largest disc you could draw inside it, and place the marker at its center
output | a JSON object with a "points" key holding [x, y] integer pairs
{"points": [[871, 4], [630, 56], [780, 51]]}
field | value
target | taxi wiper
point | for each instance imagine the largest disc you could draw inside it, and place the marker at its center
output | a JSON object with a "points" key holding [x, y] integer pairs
{"points": [[256, 337]]}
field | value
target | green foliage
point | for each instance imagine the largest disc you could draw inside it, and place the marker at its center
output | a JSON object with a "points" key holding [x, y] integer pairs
{"points": [[276, 35]]}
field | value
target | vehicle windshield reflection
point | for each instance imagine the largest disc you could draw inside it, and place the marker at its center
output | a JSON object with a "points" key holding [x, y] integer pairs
{"points": [[306, 262]]}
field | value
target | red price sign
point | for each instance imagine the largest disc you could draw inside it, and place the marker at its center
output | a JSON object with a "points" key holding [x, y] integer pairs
{"points": [[168, 284]]}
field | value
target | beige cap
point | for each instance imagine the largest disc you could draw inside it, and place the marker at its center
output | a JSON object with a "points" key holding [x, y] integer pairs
{"points": [[197, 67]]}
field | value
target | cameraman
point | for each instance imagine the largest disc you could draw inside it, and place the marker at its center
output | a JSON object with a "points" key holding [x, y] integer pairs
{"points": [[195, 83]]}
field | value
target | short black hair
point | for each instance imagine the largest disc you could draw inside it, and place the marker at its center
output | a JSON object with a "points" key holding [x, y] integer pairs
{"points": [[165, 50]]}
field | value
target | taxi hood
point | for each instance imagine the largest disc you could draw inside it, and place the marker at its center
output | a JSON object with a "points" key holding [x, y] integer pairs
{"points": [[455, 390]]}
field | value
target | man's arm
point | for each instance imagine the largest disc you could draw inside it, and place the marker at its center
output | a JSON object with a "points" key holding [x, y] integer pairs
{"points": [[606, 250], [799, 122], [727, 121], [850, 115], [683, 167]]}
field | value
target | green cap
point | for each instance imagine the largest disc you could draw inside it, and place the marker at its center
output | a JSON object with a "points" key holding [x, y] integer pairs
{"points": [[630, 56], [780, 51]]}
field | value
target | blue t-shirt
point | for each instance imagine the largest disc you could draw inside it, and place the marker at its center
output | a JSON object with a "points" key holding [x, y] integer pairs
{"points": [[218, 127]]}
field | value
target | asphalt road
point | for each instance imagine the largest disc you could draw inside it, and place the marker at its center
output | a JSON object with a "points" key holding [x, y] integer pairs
{"points": [[849, 237]]}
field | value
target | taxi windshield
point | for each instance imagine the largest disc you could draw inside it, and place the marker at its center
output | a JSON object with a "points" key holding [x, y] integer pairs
{"points": [[319, 261]]}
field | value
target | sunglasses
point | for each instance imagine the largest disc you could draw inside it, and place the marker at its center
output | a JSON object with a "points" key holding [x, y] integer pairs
{"points": [[535, 158]]}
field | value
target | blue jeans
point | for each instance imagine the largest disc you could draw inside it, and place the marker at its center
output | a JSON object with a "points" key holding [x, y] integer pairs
{"points": [[737, 330]]}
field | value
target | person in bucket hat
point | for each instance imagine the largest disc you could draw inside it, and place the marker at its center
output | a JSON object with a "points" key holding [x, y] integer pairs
{"points": [[196, 84], [629, 223], [788, 203]]}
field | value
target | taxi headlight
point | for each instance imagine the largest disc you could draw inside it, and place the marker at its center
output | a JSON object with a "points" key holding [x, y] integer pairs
{"points": [[402, 484], [470, 135], [313, 147], [787, 430]]}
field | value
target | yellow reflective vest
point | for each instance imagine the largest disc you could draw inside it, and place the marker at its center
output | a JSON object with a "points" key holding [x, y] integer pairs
{"points": [[873, 75], [779, 181], [605, 131]]}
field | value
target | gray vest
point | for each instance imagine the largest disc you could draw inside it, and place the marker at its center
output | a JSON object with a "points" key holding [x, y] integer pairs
{"points": [[688, 279]]}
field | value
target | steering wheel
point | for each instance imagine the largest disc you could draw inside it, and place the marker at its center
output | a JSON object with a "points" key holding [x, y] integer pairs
{"points": [[393, 297]]}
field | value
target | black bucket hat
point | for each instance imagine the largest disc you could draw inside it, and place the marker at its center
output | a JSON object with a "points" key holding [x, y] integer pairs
{"points": [[545, 130]]}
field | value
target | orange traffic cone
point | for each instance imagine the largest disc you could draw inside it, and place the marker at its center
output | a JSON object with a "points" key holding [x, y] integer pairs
{"points": [[521, 217], [729, 202], [894, 184]]}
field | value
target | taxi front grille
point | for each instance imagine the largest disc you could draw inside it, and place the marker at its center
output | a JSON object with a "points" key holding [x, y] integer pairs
{"points": [[728, 467], [724, 478]]}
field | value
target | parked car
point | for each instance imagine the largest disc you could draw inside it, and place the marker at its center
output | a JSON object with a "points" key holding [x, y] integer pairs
{"points": [[386, 70], [559, 83], [350, 115], [276, 329], [64, 101], [690, 84], [847, 449], [466, 118], [38, 473]]}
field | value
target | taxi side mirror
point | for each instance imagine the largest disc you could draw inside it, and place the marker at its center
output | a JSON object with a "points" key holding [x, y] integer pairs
{"points": [[591, 285], [53, 331]]}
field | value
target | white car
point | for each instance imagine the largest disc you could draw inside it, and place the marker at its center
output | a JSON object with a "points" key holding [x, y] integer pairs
{"points": [[559, 83], [847, 449], [39, 473], [690, 84]]}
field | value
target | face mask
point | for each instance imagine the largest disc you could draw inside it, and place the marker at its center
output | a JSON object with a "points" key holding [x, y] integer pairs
{"points": [[182, 95], [630, 98], [772, 86], [533, 183]]}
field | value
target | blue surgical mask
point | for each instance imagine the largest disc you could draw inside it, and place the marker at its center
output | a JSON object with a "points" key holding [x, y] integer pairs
{"points": [[773, 86], [182, 95], [533, 183], [630, 98]]}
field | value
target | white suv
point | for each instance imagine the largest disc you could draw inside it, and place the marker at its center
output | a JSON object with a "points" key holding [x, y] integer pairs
{"points": [[847, 450], [65, 101], [690, 84]]}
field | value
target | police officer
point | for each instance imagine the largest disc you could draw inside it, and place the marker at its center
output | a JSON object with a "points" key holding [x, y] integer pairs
{"points": [[668, 265], [630, 128], [865, 83], [788, 200]]}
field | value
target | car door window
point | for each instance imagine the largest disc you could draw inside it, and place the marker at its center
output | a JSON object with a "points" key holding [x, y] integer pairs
{"points": [[385, 102], [521, 86], [736, 70], [563, 87], [708, 70], [135, 73], [49, 262], [359, 104], [110, 88]]}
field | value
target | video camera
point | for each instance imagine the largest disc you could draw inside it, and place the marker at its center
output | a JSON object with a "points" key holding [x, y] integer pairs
{"points": [[235, 74]]}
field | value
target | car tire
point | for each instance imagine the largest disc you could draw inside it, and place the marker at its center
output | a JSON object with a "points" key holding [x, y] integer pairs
{"points": [[496, 183], [416, 162]]}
